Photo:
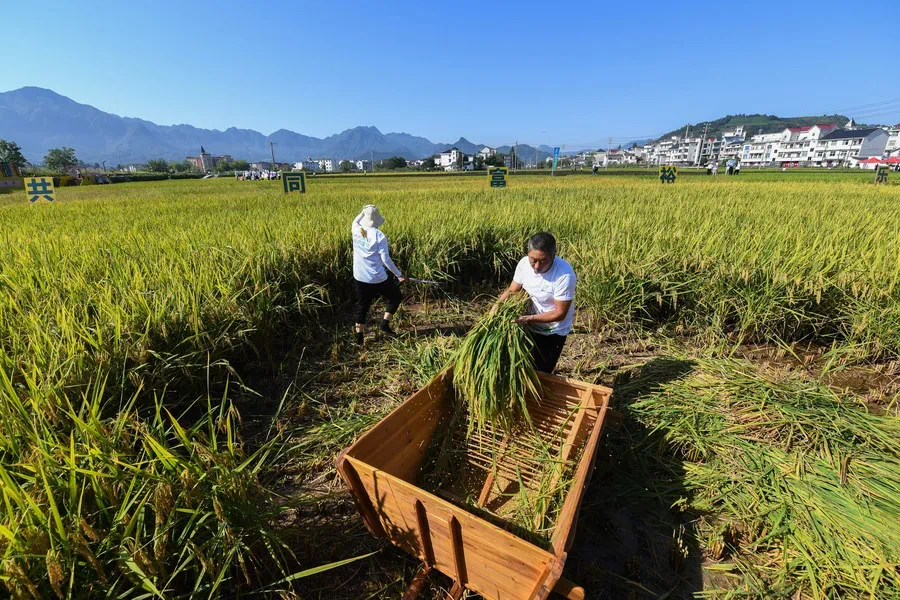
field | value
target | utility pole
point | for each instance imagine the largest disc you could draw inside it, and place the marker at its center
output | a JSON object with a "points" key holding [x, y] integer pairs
{"points": [[372, 160], [608, 148], [272, 148], [702, 141]]}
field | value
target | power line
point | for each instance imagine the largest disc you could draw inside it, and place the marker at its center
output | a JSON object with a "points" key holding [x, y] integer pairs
{"points": [[869, 115], [863, 106]]}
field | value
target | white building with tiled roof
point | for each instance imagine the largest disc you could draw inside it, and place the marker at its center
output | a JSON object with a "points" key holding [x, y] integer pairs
{"points": [[798, 144], [893, 142], [843, 146]]}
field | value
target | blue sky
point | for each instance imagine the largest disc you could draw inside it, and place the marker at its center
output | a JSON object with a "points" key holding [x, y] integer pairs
{"points": [[492, 72]]}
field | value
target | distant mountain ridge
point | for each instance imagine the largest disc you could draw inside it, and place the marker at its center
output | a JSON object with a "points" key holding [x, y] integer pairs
{"points": [[39, 119], [753, 124]]}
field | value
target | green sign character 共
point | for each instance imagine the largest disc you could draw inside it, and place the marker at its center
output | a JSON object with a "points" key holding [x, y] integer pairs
{"points": [[294, 182]]}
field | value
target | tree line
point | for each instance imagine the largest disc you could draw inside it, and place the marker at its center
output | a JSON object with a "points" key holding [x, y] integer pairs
{"points": [[59, 160]]}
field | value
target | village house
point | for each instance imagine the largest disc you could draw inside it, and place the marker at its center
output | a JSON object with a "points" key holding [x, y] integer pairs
{"points": [[206, 162], [843, 147], [450, 159]]}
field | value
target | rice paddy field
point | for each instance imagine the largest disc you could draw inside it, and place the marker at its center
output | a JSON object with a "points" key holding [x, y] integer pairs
{"points": [[176, 375]]}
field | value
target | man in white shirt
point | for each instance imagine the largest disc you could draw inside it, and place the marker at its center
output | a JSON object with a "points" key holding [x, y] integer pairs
{"points": [[371, 263], [550, 282]]}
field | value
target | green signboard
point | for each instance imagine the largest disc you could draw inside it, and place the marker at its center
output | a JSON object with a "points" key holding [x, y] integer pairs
{"points": [[881, 174], [294, 182], [497, 176]]}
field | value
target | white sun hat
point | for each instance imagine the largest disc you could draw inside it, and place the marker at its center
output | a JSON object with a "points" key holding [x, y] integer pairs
{"points": [[371, 217]]}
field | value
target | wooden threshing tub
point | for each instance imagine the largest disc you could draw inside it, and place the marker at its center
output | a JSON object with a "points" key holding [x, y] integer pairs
{"points": [[383, 466]]}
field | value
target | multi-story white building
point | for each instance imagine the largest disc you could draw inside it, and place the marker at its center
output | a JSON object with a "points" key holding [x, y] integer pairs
{"points": [[449, 159], [329, 165], [761, 150], [363, 165], [710, 150], [307, 165], [665, 151], [798, 144], [842, 147], [893, 142], [732, 144], [487, 152]]}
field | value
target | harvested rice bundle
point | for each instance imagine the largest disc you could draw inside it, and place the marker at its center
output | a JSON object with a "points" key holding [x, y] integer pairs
{"points": [[493, 370], [805, 477]]}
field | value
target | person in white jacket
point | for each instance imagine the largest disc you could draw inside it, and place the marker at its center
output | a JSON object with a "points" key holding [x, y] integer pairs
{"points": [[374, 273]]}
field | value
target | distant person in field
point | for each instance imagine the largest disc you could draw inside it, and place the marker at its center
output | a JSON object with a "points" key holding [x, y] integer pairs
{"points": [[737, 168], [715, 168], [374, 273], [550, 283]]}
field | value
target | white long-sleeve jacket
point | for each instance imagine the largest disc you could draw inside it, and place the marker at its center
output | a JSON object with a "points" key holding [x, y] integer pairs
{"points": [[370, 254]]}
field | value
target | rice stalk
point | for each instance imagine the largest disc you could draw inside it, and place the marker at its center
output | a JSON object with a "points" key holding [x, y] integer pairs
{"points": [[493, 370]]}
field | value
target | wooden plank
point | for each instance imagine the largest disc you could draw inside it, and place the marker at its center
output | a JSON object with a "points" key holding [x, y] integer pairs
{"points": [[398, 443], [486, 488], [418, 582], [456, 591], [545, 586], [424, 534], [568, 516], [559, 379], [360, 496], [575, 434], [498, 564], [459, 555], [569, 590]]}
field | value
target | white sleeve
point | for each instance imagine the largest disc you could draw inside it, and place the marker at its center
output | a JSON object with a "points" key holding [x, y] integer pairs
{"points": [[565, 288], [519, 275], [355, 227], [386, 257]]}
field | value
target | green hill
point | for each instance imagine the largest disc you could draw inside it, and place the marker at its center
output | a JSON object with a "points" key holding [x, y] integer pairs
{"points": [[754, 124]]}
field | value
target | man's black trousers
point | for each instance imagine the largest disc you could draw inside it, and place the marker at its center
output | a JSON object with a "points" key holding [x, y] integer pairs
{"points": [[546, 351]]}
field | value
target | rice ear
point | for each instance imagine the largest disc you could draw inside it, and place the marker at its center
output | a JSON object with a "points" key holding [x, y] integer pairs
{"points": [[493, 370]]}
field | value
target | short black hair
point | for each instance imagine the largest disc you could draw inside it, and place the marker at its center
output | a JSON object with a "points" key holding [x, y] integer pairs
{"points": [[543, 241]]}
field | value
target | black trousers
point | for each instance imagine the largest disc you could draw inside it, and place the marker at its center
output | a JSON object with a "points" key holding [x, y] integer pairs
{"points": [[366, 293], [546, 351]]}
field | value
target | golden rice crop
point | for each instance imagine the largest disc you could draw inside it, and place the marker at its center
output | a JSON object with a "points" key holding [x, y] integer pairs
{"points": [[151, 277], [162, 284], [493, 370]]}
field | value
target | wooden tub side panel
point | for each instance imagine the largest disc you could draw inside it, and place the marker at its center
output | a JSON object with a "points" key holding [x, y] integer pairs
{"points": [[398, 443], [495, 563], [568, 516]]}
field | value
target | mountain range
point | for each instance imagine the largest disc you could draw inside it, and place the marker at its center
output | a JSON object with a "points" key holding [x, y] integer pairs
{"points": [[39, 119]]}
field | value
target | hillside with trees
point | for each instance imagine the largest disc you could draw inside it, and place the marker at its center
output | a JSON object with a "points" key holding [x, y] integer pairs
{"points": [[754, 124]]}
